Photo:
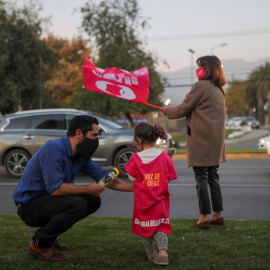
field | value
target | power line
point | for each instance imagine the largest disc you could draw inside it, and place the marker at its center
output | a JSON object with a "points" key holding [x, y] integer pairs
{"points": [[212, 35], [186, 76], [177, 85], [233, 82]]}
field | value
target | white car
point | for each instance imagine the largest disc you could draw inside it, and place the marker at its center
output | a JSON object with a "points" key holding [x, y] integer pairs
{"points": [[268, 148], [168, 146], [262, 142], [237, 122], [228, 123]]}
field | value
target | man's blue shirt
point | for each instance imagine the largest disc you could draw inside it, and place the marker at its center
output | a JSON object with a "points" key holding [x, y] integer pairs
{"points": [[52, 165]]}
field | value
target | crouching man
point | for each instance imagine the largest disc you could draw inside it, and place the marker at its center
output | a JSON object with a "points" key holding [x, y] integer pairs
{"points": [[46, 196]]}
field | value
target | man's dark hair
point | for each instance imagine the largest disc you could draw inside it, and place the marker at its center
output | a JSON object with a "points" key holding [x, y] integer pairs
{"points": [[82, 122]]}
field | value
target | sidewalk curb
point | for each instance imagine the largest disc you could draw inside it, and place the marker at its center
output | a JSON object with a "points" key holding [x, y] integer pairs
{"points": [[229, 156]]}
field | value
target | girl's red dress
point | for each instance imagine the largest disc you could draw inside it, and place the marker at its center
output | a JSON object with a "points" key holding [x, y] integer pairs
{"points": [[151, 194]]}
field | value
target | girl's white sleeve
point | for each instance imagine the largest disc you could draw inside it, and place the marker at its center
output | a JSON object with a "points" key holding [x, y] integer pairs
{"points": [[131, 178]]}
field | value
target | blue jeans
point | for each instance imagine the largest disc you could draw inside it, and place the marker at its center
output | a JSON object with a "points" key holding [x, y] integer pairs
{"points": [[208, 176]]}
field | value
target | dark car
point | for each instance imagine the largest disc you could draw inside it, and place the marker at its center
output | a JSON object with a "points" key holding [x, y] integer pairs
{"points": [[23, 133], [252, 122]]}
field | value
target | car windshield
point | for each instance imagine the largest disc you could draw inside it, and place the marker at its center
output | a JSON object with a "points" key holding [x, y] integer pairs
{"points": [[237, 119], [250, 119], [109, 123], [3, 122]]}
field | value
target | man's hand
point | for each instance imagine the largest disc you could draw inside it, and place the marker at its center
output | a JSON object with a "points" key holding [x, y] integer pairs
{"points": [[95, 189], [71, 189]]}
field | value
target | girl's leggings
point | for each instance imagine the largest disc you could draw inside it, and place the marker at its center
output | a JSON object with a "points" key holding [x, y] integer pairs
{"points": [[162, 242]]}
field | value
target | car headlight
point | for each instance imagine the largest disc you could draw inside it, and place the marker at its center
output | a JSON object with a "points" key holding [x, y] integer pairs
{"points": [[161, 142]]}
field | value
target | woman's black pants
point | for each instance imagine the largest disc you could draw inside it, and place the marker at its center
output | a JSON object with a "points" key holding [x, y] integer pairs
{"points": [[56, 214], [208, 176]]}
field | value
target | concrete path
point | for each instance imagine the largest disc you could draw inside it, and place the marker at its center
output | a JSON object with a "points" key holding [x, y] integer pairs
{"points": [[253, 135]]}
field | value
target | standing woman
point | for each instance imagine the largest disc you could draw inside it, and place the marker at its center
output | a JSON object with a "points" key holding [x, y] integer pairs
{"points": [[204, 109]]}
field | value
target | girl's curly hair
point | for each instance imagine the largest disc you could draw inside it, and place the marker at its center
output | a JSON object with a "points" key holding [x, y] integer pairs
{"points": [[150, 133]]}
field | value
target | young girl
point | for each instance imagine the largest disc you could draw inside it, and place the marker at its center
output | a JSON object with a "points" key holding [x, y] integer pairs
{"points": [[152, 170]]}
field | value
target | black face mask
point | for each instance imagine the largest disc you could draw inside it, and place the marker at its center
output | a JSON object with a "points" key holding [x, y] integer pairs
{"points": [[87, 148]]}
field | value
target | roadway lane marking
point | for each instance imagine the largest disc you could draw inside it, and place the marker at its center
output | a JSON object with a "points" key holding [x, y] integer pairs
{"points": [[222, 185], [172, 185], [220, 168], [231, 156], [223, 167]]}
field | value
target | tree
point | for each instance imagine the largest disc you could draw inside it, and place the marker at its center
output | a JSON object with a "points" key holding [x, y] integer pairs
{"points": [[115, 24], [63, 76], [21, 52], [259, 87], [236, 101]]}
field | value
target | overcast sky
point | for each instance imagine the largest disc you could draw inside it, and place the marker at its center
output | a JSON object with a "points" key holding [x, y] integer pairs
{"points": [[179, 25]]}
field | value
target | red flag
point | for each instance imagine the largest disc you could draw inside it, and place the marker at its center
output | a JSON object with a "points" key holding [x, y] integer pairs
{"points": [[129, 85]]}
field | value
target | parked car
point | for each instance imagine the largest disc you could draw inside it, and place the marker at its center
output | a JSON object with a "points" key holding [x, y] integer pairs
{"points": [[228, 123], [252, 122], [167, 146], [268, 148], [237, 122], [262, 142], [23, 133]]}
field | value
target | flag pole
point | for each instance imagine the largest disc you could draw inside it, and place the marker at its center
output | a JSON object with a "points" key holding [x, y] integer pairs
{"points": [[151, 105]]}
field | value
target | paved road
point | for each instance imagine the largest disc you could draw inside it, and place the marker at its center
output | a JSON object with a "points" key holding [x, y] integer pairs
{"points": [[245, 186]]}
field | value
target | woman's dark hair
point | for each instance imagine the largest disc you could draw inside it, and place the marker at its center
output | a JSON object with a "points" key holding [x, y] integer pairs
{"points": [[213, 70], [149, 133], [82, 122]]}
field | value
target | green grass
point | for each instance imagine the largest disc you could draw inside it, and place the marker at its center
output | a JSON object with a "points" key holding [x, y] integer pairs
{"points": [[245, 151], [107, 243], [179, 137]]}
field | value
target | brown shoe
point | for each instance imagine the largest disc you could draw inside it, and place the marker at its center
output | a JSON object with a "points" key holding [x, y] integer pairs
{"points": [[162, 260], [203, 225], [57, 245], [151, 256], [46, 254], [218, 221]]}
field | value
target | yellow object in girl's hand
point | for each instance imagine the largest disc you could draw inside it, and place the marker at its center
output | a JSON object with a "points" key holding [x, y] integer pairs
{"points": [[109, 177]]}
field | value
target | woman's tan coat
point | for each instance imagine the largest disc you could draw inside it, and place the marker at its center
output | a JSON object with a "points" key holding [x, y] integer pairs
{"points": [[204, 109]]}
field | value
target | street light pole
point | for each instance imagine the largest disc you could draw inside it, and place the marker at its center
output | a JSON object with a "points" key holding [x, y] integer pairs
{"points": [[221, 45], [40, 82], [191, 64]]}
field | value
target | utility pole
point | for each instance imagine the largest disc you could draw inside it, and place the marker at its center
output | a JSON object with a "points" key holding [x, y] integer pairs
{"points": [[191, 64]]}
